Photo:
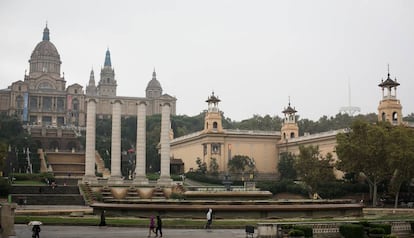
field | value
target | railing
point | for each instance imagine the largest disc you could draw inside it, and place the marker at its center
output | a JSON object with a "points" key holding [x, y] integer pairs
{"points": [[274, 230]]}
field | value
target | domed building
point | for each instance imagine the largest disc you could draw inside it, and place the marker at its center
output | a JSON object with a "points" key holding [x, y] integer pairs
{"points": [[42, 98]]}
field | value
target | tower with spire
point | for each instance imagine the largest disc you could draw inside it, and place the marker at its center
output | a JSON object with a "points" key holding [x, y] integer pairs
{"points": [[389, 108], [212, 120], [107, 84], [290, 128], [91, 89]]}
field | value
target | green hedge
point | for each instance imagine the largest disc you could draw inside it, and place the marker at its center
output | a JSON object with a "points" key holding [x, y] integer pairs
{"points": [[307, 230], [34, 177], [390, 236], [385, 227], [282, 186], [294, 232], [351, 231]]}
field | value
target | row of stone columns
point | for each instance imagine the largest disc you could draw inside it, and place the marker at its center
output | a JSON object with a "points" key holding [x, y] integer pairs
{"points": [[140, 175]]}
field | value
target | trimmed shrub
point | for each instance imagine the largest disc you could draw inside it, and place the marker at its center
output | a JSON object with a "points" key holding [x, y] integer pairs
{"points": [[385, 227], [295, 232], [352, 231], [390, 236], [376, 230], [33, 177], [307, 230]]}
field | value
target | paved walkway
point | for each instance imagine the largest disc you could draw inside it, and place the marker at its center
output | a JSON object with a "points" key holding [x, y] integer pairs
{"points": [[23, 231]]}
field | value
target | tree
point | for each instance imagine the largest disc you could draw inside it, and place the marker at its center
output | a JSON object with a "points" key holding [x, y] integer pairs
{"points": [[312, 167], [363, 150], [241, 164], [202, 166], [400, 149], [286, 166], [213, 167]]}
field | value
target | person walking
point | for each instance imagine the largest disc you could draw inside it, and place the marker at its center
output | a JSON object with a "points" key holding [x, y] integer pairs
{"points": [[209, 217], [102, 222], [36, 231], [159, 227], [151, 226]]}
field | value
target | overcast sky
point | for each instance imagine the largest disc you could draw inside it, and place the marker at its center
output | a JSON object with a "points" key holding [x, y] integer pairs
{"points": [[253, 54]]}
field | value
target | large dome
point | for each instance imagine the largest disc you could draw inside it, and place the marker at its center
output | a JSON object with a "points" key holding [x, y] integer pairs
{"points": [[45, 57], [154, 84], [45, 48]]}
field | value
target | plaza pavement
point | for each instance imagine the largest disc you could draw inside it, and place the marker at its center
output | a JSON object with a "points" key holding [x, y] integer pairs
{"points": [[48, 231]]}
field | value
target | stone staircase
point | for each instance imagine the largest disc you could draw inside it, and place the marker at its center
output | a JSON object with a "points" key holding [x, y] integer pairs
{"points": [[46, 195], [158, 193], [106, 193], [132, 194], [100, 166], [66, 164], [88, 195]]}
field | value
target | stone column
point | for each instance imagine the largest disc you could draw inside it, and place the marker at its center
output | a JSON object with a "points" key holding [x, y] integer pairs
{"points": [[90, 141], [140, 163], [7, 212], [116, 143], [165, 145]]}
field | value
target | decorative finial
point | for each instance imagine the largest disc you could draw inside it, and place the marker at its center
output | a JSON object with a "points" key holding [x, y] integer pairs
{"points": [[46, 34], [388, 70], [289, 100], [154, 74]]}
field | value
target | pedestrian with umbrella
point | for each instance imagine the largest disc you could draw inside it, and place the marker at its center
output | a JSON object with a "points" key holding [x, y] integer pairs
{"points": [[36, 228]]}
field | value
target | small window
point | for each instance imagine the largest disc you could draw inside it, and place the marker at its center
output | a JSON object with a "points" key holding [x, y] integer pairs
{"points": [[292, 135], [214, 125]]}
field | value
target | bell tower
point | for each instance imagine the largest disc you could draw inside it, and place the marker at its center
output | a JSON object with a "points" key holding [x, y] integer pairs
{"points": [[107, 84], [389, 108], [289, 128], [212, 121]]}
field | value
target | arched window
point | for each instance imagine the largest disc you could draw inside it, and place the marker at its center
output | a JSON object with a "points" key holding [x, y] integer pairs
{"points": [[292, 135], [383, 116], [395, 117], [284, 135], [214, 125]]}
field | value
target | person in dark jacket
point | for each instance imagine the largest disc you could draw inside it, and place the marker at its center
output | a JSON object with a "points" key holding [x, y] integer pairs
{"points": [[36, 231], [159, 227], [103, 222]]}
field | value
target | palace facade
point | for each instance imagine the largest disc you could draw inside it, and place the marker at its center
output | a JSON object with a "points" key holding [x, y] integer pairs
{"points": [[42, 97], [265, 147]]}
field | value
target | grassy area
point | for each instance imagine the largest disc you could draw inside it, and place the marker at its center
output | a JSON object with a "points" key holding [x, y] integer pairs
{"points": [[194, 223], [137, 222], [28, 182]]}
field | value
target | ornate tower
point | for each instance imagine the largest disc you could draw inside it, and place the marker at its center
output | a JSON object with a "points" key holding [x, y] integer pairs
{"points": [[91, 88], [45, 58], [389, 108], [212, 121], [107, 84], [289, 128]]}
